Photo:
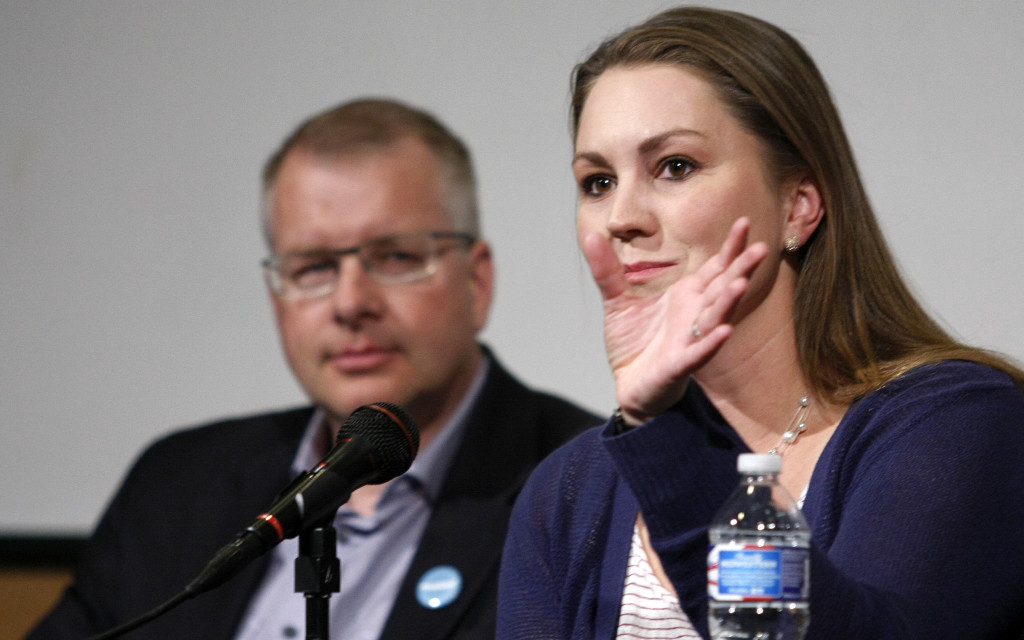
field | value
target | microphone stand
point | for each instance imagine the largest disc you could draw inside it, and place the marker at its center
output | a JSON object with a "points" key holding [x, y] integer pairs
{"points": [[318, 575]]}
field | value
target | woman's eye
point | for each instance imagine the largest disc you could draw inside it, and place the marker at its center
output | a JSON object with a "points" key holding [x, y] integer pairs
{"points": [[677, 167], [597, 185]]}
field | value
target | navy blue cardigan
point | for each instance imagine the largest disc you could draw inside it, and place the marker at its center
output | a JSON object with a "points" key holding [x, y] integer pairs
{"points": [[916, 507]]}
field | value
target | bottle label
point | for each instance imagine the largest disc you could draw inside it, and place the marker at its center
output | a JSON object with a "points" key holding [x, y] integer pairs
{"points": [[750, 573]]}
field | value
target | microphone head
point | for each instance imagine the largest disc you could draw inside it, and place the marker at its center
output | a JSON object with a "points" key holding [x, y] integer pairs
{"points": [[390, 431]]}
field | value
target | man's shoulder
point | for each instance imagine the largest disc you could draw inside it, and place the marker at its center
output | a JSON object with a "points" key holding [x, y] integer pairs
{"points": [[285, 423], [511, 427], [231, 438], [547, 409], [563, 419], [533, 418]]}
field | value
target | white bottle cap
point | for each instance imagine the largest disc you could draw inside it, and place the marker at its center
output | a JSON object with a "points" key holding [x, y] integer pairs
{"points": [[755, 463]]}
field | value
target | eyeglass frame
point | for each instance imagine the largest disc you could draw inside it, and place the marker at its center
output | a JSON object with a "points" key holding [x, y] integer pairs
{"points": [[272, 264]]}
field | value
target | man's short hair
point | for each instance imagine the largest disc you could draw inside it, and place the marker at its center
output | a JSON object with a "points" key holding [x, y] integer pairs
{"points": [[369, 125]]}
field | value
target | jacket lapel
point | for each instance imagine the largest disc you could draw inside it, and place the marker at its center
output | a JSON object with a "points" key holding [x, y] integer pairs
{"points": [[468, 525]]}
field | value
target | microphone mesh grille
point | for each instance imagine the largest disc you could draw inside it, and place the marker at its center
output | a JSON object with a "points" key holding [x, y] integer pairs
{"points": [[392, 433]]}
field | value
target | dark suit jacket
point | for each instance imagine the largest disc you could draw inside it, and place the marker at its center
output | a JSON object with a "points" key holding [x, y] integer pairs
{"points": [[190, 493]]}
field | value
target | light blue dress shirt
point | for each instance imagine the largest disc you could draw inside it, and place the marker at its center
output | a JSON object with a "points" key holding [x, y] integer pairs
{"points": [[375, 552]]}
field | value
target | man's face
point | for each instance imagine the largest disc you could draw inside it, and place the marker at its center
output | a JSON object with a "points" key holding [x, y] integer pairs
{"points": [[413, 343]]}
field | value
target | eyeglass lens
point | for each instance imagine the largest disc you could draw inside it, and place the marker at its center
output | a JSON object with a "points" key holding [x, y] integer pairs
{"points": [[390, 259]]}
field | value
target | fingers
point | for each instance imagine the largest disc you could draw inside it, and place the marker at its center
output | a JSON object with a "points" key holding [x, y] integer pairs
{"points": [[733, 249], [658, 379], [719, 308], [726, 277], [656, 342], [604, 266]]}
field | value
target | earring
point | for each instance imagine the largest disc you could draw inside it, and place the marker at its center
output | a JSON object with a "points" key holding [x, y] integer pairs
{"points": [[792, 243]]}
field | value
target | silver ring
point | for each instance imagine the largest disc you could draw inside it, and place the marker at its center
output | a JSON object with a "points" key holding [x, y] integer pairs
{"points": [[695, 330]]}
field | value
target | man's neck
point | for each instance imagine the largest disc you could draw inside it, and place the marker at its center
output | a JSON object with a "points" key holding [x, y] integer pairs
{"points": [[364, 500]]}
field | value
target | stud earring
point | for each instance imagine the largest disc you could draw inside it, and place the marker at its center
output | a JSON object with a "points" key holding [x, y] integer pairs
{"points": [[792, 243]]}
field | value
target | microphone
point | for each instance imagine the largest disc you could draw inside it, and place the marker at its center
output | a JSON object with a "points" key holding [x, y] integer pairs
{"points": [[376, 443]]}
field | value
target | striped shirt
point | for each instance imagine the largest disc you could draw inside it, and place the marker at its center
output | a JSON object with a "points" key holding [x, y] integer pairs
{"points": [[649, 611]]}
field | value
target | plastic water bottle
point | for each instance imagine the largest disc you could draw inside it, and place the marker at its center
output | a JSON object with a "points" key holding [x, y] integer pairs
{"points": [[759, 559]]}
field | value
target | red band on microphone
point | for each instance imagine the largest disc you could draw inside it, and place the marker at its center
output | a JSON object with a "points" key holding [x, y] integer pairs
{"points": [[273, 521], [398, 421]]}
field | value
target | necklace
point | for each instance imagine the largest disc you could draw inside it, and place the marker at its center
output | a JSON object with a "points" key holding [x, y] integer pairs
{"points": [[796, 426]]}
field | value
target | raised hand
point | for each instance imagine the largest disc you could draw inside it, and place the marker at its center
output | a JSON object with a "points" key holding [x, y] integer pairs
{"points": [[655, 341]]}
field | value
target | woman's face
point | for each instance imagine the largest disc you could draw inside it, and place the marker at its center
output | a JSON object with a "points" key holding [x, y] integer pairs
{"points": [[663, 171]]}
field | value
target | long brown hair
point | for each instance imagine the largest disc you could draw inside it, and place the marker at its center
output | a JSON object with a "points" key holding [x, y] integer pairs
{"points": [[857, 324]]}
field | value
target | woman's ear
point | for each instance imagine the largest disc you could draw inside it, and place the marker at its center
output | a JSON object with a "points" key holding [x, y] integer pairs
{"points": [[805, 212]]}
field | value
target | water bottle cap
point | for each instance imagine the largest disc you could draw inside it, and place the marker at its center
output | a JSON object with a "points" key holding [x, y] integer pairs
{"points": [[759, 463]]}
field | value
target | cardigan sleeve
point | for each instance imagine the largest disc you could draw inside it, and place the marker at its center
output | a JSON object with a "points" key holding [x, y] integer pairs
{"points": [[527, 594], [914, 506], [554, 553], [680, 466]]}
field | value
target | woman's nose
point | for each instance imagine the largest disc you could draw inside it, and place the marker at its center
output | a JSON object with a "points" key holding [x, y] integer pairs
{"points": [[632, 213]]}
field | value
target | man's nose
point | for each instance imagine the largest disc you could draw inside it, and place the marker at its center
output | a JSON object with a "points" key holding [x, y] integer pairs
{"points": [[356, 294]]}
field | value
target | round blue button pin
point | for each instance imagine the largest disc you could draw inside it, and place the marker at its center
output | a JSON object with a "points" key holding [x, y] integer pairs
{"points": [[439, 587]]}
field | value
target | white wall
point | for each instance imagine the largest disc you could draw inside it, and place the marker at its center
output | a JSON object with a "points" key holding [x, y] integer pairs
{"points": [[132, 133]]}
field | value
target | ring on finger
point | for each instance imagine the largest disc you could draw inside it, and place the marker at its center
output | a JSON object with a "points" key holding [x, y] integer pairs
{"points": [[695, 330]]}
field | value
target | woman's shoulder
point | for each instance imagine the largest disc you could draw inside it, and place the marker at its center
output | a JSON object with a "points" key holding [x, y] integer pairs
{"points": [[933, 403], [953, 372], [943, 383], [940, 444]]}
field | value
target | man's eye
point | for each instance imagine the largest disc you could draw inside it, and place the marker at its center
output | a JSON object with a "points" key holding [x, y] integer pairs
{"points": [[310, 268], [396, 261], [399, 256]]}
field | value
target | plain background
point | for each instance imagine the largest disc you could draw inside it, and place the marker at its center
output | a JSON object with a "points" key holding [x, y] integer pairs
{"points": [[132, 135]]}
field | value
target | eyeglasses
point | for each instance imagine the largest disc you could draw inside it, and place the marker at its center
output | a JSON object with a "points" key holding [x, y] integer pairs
{"points": [[393, 259]]}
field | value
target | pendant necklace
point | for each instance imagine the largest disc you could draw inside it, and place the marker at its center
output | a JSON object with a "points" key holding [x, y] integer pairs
{"points": [[796, 426]]}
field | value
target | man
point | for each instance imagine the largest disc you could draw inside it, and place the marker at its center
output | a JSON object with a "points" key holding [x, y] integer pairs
{"points": [[380, 285]]}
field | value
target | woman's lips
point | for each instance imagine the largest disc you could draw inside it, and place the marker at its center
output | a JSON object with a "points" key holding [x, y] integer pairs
{"points": [[641, 272]]}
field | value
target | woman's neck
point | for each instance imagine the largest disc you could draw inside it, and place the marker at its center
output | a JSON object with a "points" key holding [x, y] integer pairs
{"points": [[756, 383]]}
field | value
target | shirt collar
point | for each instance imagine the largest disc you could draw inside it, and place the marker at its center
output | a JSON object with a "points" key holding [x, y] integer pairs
{"points": [[431, 465]]}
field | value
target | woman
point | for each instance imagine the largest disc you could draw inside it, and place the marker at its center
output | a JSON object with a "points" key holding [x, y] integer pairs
{"points": [[742, 272]]}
